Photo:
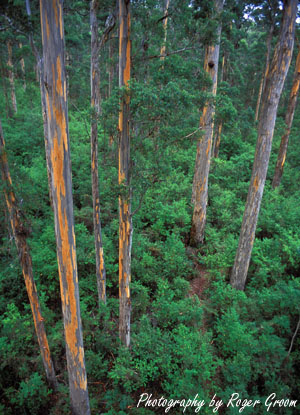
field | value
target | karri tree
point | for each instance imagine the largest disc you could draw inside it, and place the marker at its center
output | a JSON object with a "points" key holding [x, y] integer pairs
{"points": [[61, 185], [204, 145], [20, 233], [288, 122], [95, 104], [271, 95], [125, 220]]}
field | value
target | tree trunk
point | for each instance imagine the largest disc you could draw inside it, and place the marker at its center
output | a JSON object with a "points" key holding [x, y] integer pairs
{"points": [[111, 65], [22, 62], [20, 236], [272, 91], [11, 76], [200, 182], [219, 128], [95, 104], [165, 23], [265, 73], [125, 223], [61, 186], [288, 121], [7, 103], [218, 139]]}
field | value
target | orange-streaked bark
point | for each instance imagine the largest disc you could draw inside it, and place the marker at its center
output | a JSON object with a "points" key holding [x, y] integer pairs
{"points": [[125, 222], [271, 95], [61, 185], [95, 104], [265, 72], [20, 237], [203, 155], [11, 76], [288, 122]]}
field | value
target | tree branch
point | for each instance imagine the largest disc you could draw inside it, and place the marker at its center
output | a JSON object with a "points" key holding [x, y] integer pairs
{"points": [[294, 336]]}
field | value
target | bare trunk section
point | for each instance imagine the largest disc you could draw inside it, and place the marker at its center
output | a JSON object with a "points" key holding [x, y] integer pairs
{"points": [[22, 62], [272, 91], [165, 24], [200, 182], [61, 184], [111, 65], [95, 104], [7, 103], [265, 73], [125, 221], [218, 139], [40, 70], [20, 236], [288, 121], [11, 76], [219, 128]]}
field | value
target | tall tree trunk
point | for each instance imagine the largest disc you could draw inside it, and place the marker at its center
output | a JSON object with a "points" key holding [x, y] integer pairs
{"points": [[111, 65], [219, 128], [218, 139], [7, 103], [40, 71], [95, 104], [20, 236], [288, 121], [200, 182], [125, 222], [272, 91], [265, 72], [165, 24], [61, 185], [11, 76], [22, 62]]}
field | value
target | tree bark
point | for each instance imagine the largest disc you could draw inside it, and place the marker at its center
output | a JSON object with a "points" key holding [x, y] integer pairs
{"points": [[111, 65], [7, 103], [20, 236], [61, 185], [22, 62], [95, 104], [203, 156], [219, 128], [271, 95], [288, 122], [125, 222], [218, 139], [265, 72], [11, 76], [165, 24]]}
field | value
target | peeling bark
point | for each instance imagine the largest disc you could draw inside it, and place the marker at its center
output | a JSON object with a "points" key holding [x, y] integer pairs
{"points": [[125, 221], [204, 145], [95, 104], [20, 236], [11, 76], [54, 81], [271, 95], [288, 122]]}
